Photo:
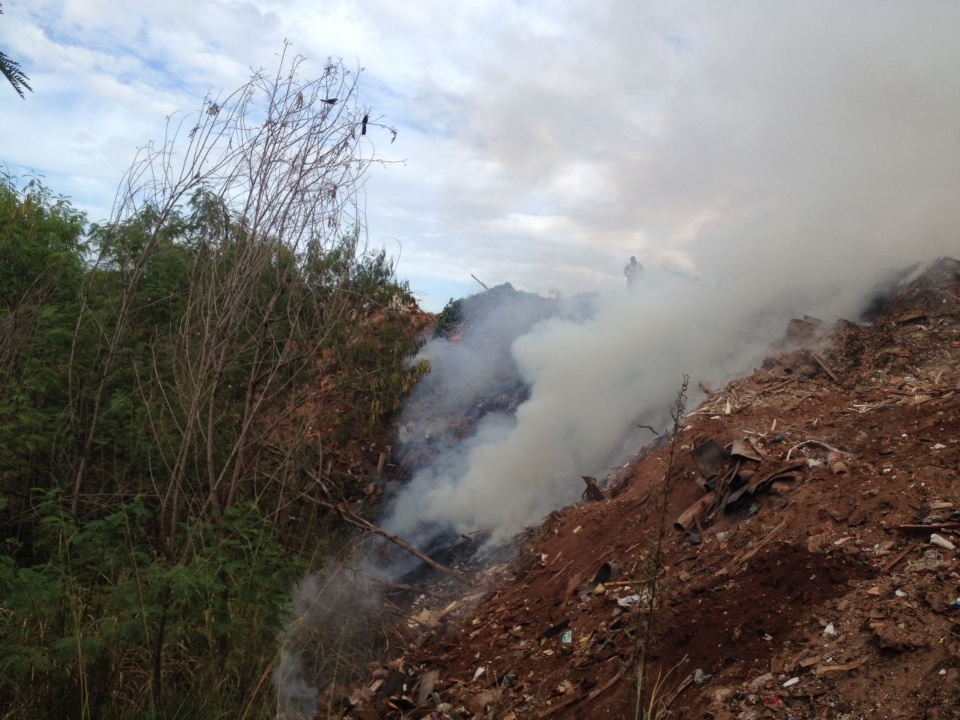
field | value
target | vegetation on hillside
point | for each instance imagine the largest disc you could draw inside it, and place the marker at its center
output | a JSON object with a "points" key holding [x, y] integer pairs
{"points": [[179, 384]]}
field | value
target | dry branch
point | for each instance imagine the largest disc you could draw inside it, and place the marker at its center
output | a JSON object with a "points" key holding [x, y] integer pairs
{"points": [[363, 524]]}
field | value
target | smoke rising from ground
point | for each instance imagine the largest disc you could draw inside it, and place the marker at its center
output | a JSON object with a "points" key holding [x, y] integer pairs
{"points": [[592, 380], [336, 627], [788, 155], [788, 158]]}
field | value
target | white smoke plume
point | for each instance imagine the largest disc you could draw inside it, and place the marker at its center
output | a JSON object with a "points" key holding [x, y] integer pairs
{"points": [[592, 381], [336, 627], [764, 160], [788, 155], [765, 144]]}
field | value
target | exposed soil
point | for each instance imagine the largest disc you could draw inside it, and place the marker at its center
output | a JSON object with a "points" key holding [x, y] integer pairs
{"points": [[815, 593]]}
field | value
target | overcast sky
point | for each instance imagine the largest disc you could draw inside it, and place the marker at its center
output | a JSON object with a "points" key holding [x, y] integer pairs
{"points": [[547, 141]]}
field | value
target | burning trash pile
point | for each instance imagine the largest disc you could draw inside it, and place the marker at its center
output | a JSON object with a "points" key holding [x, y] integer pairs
{"points": [[809, 566]]}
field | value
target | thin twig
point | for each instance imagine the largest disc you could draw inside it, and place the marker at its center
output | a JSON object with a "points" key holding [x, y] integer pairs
{"points": [[816, 442], [756, 548]]}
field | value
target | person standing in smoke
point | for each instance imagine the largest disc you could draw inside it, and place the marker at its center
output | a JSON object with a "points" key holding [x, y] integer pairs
{"points": [[633, 271]]}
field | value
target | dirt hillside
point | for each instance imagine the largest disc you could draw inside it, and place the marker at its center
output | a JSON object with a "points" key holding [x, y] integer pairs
{"points": [[815, 575]]}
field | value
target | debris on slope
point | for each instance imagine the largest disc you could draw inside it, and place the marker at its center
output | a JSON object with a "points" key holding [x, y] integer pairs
{"points": [[812, 572]]}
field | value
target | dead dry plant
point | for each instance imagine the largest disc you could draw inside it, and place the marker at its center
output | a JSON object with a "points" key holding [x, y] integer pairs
{"points": [[652, 697], [265, 184]]}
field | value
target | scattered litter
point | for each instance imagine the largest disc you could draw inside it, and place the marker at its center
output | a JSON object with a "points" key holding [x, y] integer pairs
{"points": [[554, 630], [700, 677], [836, 463], [791, 682], [931, 559], [567, 637], [477, 704], [830, 629], [899, 593], [427, 682], [630, 600], [773, 702], [744, 449], [606, 573], [709, 458], [479, 672], [941, 541], [955, 605], [693, 513]]}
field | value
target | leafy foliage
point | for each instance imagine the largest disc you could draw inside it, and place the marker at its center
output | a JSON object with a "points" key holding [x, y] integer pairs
{"points": [[449, 318], [176, 382], [13, 73]]}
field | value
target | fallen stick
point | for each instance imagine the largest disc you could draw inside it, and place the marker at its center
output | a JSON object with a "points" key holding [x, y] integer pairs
{"points": [[897, 558], [606, 686], [558, 573], [776, 387], [824, 669], [827, 370], [359, 522], [400, 587], [930, 527], [815, 442], [559, 706], [482, 283], [756, 548], [570, 701]]}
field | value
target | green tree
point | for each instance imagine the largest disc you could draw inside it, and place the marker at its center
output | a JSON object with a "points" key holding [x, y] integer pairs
{"points": [[179, 386], [12, 72]]}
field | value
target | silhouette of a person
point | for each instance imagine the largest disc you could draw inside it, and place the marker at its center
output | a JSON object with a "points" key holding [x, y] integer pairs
{"points": [[633, 272]]}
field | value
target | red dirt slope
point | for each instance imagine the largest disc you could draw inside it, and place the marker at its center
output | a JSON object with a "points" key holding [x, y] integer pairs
{"points": [[814, 590]]}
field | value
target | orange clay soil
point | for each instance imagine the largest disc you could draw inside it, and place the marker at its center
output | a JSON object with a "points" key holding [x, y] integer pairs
{"points": [[818, 595]]}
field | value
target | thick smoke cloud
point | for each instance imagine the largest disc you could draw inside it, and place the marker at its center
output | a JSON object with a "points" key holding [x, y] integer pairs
{"points": [[592, 381], [741, 140], [788, 156]]}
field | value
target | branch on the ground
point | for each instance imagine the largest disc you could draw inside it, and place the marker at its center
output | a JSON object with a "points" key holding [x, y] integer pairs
{"points": [[357, 521]]}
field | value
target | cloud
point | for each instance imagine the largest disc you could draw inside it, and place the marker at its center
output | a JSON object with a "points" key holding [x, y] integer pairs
{"points": [[683, 133], [800, 131]]}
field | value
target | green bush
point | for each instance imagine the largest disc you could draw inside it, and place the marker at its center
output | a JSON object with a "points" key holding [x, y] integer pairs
{"points": [[156, 492]]}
